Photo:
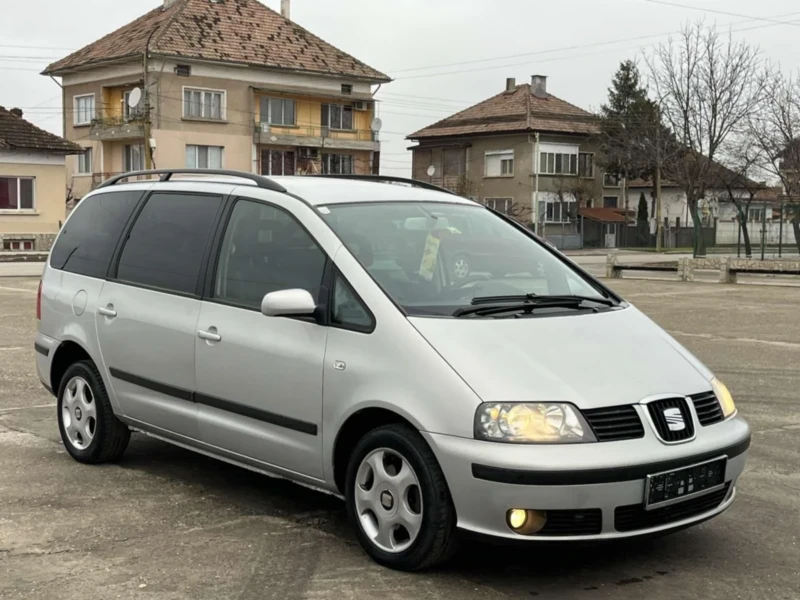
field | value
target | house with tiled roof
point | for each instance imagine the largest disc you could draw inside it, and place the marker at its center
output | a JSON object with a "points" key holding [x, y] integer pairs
{"points": [[219, 84], [530, 154], [32, 193]]}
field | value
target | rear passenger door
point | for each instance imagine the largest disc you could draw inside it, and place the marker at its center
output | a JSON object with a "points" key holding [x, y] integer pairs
{"points": [[259, 379], [148, 309]]}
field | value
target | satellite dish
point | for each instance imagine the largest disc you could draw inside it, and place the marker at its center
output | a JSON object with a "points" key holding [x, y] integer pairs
{"points": [[431, 171], [134, 97], [376, 125]]}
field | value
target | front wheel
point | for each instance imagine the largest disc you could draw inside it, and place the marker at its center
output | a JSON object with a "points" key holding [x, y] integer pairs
{"points": [[460, 267], [398, 500]]}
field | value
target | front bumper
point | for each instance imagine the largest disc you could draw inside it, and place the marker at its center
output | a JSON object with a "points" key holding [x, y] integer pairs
{"points": [[584, 482]]}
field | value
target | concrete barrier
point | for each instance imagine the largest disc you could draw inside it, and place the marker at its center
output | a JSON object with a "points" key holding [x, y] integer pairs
{"points": [[728, 267]]}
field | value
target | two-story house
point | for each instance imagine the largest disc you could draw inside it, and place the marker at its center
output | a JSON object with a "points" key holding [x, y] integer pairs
{"points": [[531, 155], [32, 193], [217, 84]]}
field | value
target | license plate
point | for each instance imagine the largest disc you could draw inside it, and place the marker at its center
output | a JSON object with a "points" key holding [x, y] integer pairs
{"points": [[670, 487]]}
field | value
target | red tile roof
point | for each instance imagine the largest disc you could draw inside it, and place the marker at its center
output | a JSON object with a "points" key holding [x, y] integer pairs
{"points": [[604, 215], [233, 31], [512, 112], [18, 134]]}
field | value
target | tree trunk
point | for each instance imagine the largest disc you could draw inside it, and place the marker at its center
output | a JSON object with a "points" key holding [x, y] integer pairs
{"points": [[699, 243], [796, 229], [748, 249]]}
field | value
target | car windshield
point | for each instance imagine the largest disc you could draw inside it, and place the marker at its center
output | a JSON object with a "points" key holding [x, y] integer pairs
{"points": [[434, 258]]}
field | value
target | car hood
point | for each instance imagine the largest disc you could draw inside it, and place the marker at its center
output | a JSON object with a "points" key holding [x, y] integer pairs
{"points": [[591, 360]]}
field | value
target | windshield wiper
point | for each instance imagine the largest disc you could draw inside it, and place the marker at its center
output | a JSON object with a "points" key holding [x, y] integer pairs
{"points": [[504, 304], [538, 299]]}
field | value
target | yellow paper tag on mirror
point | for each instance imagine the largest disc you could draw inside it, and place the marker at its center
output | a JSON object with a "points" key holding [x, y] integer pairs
{"points": [[428, 266]]}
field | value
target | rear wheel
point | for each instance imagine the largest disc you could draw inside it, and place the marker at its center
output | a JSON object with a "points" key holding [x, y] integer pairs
{"points": [[89, 429], [398, 500]]}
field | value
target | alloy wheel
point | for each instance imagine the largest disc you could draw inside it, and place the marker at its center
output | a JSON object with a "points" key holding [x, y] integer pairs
{"points": [[79, 413]]}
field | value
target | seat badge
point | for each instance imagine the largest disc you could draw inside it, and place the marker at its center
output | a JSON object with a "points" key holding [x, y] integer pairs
{"points": [[674, 419]]}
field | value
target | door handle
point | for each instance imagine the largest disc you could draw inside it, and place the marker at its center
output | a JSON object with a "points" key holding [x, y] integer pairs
{"points": [[210, 336], [107, 311]]}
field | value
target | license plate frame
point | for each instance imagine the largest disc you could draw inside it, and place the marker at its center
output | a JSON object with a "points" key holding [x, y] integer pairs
{"points": [[654, 498]]}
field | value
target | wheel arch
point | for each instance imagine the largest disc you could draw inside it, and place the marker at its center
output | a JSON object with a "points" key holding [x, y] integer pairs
{"points": [[67, 353]]}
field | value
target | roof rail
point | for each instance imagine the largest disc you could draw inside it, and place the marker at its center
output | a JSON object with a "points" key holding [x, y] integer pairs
{"points": [[166, 174], [390, 179]]}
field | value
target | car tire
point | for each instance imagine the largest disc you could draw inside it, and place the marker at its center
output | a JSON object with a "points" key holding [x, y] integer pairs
{"points": [[90, 431], [430, 508], [460, 268]]}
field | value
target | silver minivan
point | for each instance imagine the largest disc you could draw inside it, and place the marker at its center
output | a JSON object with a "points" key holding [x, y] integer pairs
{"points": [[323, 330]]}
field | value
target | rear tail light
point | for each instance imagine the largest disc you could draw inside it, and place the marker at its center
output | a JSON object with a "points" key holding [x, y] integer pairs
{"points": [[39, 302]]}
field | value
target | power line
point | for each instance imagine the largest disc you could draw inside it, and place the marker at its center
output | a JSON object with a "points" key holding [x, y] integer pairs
{"points": [[723, 12]]}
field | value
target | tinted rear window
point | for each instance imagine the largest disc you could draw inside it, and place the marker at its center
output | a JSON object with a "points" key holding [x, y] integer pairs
{"points": [[166, 243], [88, 239]]}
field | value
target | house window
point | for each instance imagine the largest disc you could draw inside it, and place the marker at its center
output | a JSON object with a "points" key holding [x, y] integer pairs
{"points": [[337, 164], [134, 157], [500, 163], [203, 157], [559, 212], [337, 116], [17, 193], [610, 180], [278, 162], [128, 111], [85, 163], [755, 215], [278, 111], [347, 89], [501, 205], [84, 109], [17, 244], [558, 163], [609, 202], [586, 164], [203, 104]]}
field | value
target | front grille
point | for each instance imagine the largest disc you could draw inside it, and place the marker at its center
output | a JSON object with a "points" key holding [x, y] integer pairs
{"points": [[572, 522], [634, 516], [660, 420], [707, 408], [614, 423]]}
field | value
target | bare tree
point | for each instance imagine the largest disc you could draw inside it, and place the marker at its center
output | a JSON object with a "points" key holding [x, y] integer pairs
{"points": [[706, 86], [742, 159], [775, 131]]}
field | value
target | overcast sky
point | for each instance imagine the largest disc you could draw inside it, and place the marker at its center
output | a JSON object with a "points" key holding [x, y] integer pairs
{"points": [[578, 44]]}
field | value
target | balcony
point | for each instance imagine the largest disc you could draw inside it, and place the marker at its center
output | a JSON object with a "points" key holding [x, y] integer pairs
{"points": [[315, 137], [117, 128], [98, 178]]}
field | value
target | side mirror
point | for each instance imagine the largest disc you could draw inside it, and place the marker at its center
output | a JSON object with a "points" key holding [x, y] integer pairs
{"points": [[288, 303]]}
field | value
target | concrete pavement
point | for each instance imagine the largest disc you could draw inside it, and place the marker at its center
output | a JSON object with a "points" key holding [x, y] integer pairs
{"points": [[169, 524]]}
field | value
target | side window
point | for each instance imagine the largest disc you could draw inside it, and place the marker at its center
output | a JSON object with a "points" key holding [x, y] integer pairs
{"points": [[348, 311], [87, 241], [265, 250], [165, 246]]}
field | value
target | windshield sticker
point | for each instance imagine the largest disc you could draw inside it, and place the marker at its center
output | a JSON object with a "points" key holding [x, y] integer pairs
{"points": [[324, 210], [428, 265]]}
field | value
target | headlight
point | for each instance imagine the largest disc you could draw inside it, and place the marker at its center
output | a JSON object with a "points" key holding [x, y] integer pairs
{"points": [[536, 422], [724, 397]]}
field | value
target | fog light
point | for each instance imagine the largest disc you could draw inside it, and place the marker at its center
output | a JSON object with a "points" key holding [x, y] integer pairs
{"points": [[517, 518], [526, 521]]}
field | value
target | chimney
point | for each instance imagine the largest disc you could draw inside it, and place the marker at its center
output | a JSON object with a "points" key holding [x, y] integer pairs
{"points": [[539, 86], [16, 112], [511, 84], [286, 6], [168, 3]]}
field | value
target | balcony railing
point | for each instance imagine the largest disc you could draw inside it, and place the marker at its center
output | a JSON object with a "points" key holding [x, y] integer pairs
{"points": [[319, 137], [117, 127]]}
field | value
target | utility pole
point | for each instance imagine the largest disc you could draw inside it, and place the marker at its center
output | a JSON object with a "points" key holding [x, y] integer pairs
{"points": [[657, 181], [148, 151]]}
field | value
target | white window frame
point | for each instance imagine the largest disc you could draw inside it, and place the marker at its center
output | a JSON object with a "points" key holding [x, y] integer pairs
{"points": [[268, 117], [197, 156], [19, 179], [565, 206], [550, 153], [342, 107], [205, 107], [19, 243], [506, 164], [85, 162], [76, 112], [125, 161], [758, 210], [494, 203]]}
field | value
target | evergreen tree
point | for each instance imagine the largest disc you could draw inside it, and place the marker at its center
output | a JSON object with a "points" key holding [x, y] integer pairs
{"points": [[641, 213]]}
